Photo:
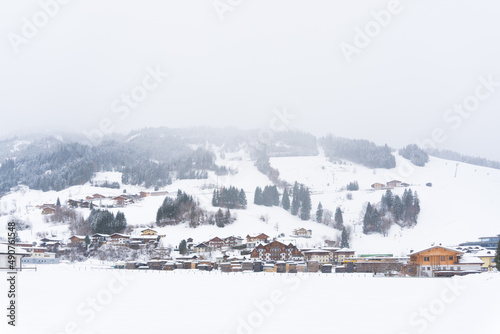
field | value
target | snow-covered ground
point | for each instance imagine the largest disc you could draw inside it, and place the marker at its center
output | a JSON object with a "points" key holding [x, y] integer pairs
{"points": [[81, 298], [454, 209]]}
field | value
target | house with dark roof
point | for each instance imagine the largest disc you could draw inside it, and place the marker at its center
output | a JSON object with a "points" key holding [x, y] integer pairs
{"points": [[276, 251]]}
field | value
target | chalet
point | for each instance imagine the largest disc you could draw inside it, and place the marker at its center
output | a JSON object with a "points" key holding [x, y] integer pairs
{"points": [[432, 260], [394, 183], [201, 248], [18, 254], [85, 204], [233, 241], [378, 185], [121, 200], [302, 232], [149, 231], [52, 244], [318, 255], [253, 241], [100, 238], [48, 211], [98, 196], [215, 243], [143, 194], [118, 238], [276, 251], [76, 239], [140, 240]]}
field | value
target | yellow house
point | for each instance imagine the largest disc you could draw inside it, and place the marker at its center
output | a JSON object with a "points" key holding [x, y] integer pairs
{"points": [[488, 257], [149, 231]]}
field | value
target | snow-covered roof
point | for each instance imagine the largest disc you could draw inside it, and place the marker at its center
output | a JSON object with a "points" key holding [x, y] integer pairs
{"points": [[439, 246], [344, 250], [121, 235], [318, 251], [467, 259]]}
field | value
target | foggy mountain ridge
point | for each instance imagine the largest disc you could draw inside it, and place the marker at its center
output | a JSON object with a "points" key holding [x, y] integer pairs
{"points": [[153, 157]]}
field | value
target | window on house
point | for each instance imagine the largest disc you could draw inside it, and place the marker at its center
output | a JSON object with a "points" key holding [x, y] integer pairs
{"points": [[451, 268], [442, 258], [426, 258], [450, 258], [458, 268]]}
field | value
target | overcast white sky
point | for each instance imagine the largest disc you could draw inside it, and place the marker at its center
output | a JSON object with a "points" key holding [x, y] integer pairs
{"points": [[264, 54]]}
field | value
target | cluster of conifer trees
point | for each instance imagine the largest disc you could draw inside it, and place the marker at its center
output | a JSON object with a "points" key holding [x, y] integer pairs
{"points": [[105, 222], [231, 198], [392, 210]]}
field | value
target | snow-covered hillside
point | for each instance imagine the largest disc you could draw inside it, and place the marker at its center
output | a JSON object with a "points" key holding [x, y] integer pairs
{"points": [[454, 209]]}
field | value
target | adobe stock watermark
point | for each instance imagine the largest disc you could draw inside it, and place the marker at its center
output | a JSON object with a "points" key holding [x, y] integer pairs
{"points": [[364, 36], [454, 118], [224, 7], [266, 308], [31, 27], [123, 105], [420, 320], [88, 310]]}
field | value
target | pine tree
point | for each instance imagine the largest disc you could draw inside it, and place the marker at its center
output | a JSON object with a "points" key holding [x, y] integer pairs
{"points": [[267, 196], [276, 196], [257, 198], [183, 247], [58, 203], [242, 199], [398, 208], [388, 199], [285, 202], [497, 257], [219, 218], [120, 223], [339, 219], [367, 220], [87, 240], [344, 241], [294, 209], [215, 198], [319, 213], [306, 205]]}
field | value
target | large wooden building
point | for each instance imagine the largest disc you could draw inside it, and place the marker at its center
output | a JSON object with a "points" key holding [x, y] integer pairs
{"points": [[435, 259], [276, 251]]}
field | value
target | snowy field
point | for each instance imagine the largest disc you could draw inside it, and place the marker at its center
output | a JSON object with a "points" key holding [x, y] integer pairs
{"points": [[85, 299]]}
